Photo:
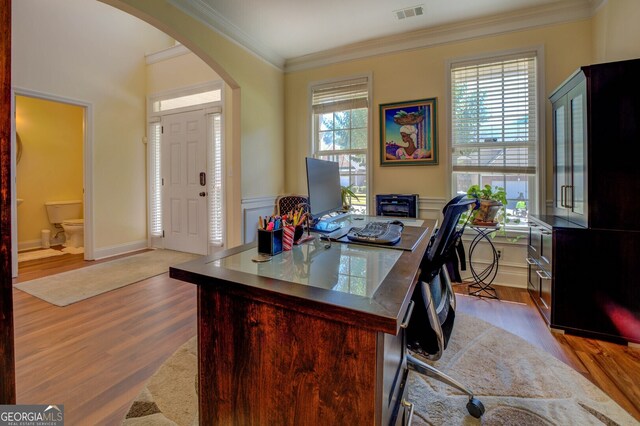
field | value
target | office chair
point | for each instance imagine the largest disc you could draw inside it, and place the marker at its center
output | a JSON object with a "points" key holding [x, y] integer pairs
{"points": [[287, 203], [434, 312]]}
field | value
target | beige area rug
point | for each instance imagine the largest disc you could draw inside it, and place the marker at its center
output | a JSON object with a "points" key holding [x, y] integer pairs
{"points": [[38, 254], [73, 286], [518, 384]]}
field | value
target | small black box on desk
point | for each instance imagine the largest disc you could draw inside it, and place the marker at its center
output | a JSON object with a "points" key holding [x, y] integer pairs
{"points": [[398, 205]]}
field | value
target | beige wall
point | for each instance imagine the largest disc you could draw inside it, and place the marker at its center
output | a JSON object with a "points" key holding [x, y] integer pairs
{"points": [[178, 72], [257, 100], [50, 168], [616, 32], [93, 53], [418, 74]]}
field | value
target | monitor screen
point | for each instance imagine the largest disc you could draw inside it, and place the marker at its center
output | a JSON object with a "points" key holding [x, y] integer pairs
{"points": [[323, 184]]}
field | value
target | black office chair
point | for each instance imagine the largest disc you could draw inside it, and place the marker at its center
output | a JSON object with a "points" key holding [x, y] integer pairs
{"points": [[433, 315]]}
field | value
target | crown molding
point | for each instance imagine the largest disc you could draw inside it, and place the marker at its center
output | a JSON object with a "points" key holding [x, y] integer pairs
{"points": [[536, 17], [168, 53], [204, 13]]}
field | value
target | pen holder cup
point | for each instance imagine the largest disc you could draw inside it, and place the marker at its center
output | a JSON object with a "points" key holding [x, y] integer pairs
{"points": [[297, 234], [287, 237], [270, 242]]}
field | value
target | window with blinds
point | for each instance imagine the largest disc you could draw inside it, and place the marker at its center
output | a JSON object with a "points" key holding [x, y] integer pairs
{"points": [[341, 132], [216, 185], [494, 104], [155, 181]]}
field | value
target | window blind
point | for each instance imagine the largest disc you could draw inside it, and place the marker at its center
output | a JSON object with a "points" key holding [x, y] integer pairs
{"points": [[215, 185], [348, 94], [493, 116], [341, 128], [155, 180]]}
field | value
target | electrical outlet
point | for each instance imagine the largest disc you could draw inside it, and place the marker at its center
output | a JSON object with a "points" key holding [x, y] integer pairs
{"points": [[499, 254]]}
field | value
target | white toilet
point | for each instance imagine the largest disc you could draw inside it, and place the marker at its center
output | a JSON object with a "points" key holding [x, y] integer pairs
{"points": [[65, 215]]}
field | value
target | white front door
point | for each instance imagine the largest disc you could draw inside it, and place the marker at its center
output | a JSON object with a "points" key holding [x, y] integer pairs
{"points": [[184, 196]]}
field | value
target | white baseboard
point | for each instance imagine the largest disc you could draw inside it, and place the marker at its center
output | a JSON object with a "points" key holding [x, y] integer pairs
{"points": [[101, 253], [29, 245]]}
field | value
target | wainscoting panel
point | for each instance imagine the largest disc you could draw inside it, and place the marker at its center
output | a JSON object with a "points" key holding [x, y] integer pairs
{"points": [[252, 209], [431, 208]]}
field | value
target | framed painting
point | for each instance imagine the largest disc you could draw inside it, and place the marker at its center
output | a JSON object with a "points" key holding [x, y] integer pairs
{"points": [[408, 133]]}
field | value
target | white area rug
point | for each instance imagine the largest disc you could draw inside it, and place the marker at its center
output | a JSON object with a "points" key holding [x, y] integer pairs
{"points": [[38, 254], [518, 384], [73, 286], [73, 250]]}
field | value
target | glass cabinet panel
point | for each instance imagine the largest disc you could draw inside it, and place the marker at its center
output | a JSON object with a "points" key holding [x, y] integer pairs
{"points": [[560, 146], [578, 136]]}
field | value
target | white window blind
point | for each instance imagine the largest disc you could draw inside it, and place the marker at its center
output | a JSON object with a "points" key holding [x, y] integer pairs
{"points": [[155, 181], [215, 184], [493, 116], [348, 94], [341, 132]]}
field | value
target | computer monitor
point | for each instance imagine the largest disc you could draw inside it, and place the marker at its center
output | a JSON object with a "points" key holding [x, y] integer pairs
{"points": [[323, 184]]}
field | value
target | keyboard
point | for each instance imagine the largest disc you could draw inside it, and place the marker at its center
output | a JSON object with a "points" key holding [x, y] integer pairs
{"points": [[376, 233]]}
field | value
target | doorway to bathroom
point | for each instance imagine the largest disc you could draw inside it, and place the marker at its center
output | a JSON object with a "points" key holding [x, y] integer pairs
{"points": [[49, 165]]}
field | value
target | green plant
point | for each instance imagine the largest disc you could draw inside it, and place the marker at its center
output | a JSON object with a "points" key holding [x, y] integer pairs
{"points": [[347, 193], [488, 193]]}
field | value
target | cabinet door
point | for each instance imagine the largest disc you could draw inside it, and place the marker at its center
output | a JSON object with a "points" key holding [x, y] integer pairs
{"points": [[576, 196], [560, 154]]}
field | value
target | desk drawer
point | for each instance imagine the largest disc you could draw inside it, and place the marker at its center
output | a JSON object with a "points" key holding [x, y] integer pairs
{"points": [[405, 408], [540, 266], [540, 248]]}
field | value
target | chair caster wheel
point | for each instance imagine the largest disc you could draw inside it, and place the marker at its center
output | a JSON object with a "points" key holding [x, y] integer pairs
{"points": [[475, 407]]}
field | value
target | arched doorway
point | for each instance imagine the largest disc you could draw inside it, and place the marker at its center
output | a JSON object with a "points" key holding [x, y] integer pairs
{"points": [[7, 367]]}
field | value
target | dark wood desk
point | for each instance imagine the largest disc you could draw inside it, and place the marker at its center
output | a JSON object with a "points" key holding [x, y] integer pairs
{"points": [[311, 338]]}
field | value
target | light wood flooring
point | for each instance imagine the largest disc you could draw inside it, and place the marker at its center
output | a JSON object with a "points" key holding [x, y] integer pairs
{"points": [[94, 356]]}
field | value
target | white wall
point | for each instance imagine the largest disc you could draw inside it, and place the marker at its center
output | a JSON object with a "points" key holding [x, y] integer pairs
{"points": [[91, 52]]}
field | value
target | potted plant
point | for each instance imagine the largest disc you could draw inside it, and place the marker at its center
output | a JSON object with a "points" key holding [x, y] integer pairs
{"points": [[347, 193], [492, 202]]}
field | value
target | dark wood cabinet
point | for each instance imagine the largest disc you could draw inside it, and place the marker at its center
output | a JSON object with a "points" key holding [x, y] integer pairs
{"points": [[584, 275], [539, 260], [596, 137], [570, 150]]}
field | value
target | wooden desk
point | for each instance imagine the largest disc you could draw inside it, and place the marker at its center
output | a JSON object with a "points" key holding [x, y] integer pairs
{"points": [[311, 338]]}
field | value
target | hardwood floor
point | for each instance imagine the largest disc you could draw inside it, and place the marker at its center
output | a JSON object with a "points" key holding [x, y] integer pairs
{"points": [[94, 356]]}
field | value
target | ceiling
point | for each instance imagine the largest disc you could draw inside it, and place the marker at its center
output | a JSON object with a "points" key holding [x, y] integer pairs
{"points": [[284, 30]]}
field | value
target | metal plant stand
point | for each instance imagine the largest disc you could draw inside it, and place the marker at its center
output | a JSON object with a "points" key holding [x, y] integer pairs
{"points": [[482, 280]]}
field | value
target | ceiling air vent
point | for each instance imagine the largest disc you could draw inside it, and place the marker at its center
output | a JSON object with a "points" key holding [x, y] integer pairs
{"points": [[409, 12]]}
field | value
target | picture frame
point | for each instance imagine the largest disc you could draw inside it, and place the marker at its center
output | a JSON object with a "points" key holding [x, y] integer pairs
{"points": [[408, 133]]}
